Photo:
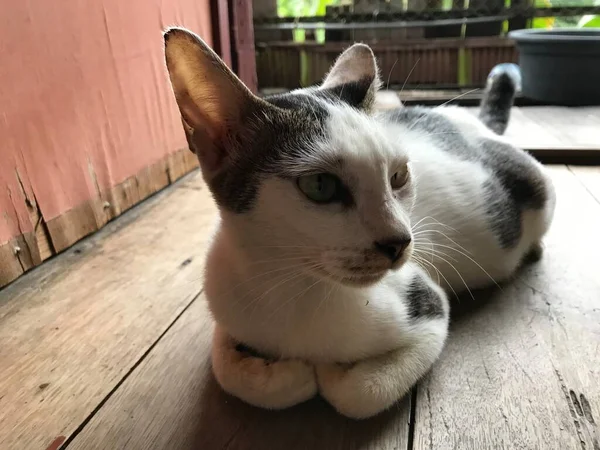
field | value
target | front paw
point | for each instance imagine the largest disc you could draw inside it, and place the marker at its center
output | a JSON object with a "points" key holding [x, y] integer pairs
{"points": [[271, 384], [356, 391]]}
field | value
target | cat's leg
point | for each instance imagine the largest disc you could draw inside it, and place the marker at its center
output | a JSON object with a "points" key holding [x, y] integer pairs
{"points": [[369, 386], [271, 384]]}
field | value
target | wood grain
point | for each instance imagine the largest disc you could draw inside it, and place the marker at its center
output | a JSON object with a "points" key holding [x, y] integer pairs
{"points": [[70, 330], [172, 402], [590, 178], [522, 369], [554, 127], [57, 234], [556, 135]]}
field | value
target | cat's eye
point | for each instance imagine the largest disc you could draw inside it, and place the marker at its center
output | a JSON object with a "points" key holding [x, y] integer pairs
{"points": [[399, 179], [322, 188]]}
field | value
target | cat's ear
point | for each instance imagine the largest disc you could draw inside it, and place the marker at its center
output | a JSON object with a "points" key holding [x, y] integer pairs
{"points": [[214, 104], [354, 77]]}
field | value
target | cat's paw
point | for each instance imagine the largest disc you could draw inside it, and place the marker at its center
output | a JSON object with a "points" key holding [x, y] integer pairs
{"points": [[271, 384], [356, 391]]}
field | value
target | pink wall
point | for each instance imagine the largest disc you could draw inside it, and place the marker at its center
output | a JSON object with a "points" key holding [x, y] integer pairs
{"points": [[84, 98]]}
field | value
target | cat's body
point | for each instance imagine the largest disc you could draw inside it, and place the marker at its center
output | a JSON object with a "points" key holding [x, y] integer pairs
{"points": [[329, 215], [459, 234]]}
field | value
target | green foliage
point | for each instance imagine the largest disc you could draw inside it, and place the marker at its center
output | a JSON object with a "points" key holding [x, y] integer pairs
{"points": [[589, 22], [562, 22], [299, 8]]}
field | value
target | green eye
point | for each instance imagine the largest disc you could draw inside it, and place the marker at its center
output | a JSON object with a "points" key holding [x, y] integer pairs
{"points": [[321, 187]]}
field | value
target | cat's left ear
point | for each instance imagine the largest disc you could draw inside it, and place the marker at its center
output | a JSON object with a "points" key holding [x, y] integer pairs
{"points": [[354, 77]]}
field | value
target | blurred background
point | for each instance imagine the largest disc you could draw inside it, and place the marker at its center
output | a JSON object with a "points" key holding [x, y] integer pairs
{"points": [[443, 44]]}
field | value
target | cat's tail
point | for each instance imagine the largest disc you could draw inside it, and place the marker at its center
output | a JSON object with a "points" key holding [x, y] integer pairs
{"points": [[503, 82]]}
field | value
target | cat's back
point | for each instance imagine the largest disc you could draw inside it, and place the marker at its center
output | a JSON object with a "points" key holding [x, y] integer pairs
{"points": [[452, 135], [477, 194]]}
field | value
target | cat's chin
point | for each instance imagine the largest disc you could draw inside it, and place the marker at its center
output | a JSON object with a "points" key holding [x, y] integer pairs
{"points": [[354, 280]]}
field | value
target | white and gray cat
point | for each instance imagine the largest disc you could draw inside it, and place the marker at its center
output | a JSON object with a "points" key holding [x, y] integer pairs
{"points": [[342, 230]]}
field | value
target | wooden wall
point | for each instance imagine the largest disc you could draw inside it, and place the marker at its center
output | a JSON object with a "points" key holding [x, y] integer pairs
{"points": [[88, 126]]}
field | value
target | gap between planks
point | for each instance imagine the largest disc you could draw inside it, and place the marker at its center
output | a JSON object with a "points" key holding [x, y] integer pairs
{"points": [[135, 365]]}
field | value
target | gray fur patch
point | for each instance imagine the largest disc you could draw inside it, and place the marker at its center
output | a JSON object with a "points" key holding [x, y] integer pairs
{"points": [[422, 300], [266, 142], [499, 97], [262, 145], [515, 182]]}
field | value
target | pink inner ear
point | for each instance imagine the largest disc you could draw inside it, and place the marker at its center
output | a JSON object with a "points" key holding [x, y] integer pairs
{"points": [[195, 119], [208, 149]]}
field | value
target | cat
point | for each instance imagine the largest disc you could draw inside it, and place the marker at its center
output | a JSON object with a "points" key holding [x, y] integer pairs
{"points": [[343, 230]]}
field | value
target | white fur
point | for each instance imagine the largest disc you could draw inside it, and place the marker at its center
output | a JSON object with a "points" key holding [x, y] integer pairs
{"points": [[261, 292], [308, 285]]}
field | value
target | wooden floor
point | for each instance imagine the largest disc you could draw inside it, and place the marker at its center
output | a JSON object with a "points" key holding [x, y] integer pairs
{"points": [[106, 347]]}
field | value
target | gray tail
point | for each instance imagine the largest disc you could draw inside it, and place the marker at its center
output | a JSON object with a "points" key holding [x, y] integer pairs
{"points": [[503, 82]]}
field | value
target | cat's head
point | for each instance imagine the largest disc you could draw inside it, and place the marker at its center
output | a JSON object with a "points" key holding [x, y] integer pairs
{"points": [[309, 177]]}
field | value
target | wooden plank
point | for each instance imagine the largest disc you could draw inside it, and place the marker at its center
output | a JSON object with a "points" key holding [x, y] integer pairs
{"points": [[172, 402], [219, 10], [544, 127], [554, 127], [243, 43], [70, 330], [521, 370], [590, 178], [556, 135], [57, 234]]}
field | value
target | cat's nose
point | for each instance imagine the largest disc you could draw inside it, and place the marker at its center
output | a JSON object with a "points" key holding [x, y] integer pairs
{"points": [[392, 248]]}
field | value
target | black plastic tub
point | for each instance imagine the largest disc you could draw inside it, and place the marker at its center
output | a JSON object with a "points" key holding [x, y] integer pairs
{"points": [[560, 67]]}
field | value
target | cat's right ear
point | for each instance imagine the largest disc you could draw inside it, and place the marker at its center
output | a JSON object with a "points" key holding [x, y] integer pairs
{"points": [[354, 77], [213, 102]]}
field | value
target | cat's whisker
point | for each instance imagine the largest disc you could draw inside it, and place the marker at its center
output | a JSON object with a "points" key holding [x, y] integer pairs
{"points": [[286, 271], [282, 259], [435, 221], [473, 261], [424, 218], [281, 246], [387, 85], [407, 77], [445, 235], [440, 274], [434, 252], [296, 274], [458, 96], [290, 300], [459, 275], [420, 261], [323, 300]]}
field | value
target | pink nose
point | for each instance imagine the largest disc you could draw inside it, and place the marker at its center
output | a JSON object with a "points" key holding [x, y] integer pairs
{"points": [[392, 248]]}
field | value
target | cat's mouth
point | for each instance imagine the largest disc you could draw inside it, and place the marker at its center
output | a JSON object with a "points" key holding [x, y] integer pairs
{"points": [[358, 268], [353, 277]]}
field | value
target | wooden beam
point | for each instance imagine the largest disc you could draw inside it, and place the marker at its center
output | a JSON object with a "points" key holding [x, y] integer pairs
{"points": [[244, 57], [221, 30]]}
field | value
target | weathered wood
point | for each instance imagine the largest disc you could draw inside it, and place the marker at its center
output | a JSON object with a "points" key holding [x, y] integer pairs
{"points": [[522, 369], [590, 178], [243, 43], [219, 10], [555, 127], [57, 234], [556, 134], [70, 330], [172, 402]]}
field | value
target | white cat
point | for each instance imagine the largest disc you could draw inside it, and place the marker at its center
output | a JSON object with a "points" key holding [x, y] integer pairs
{"points": [[341, 229]]}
